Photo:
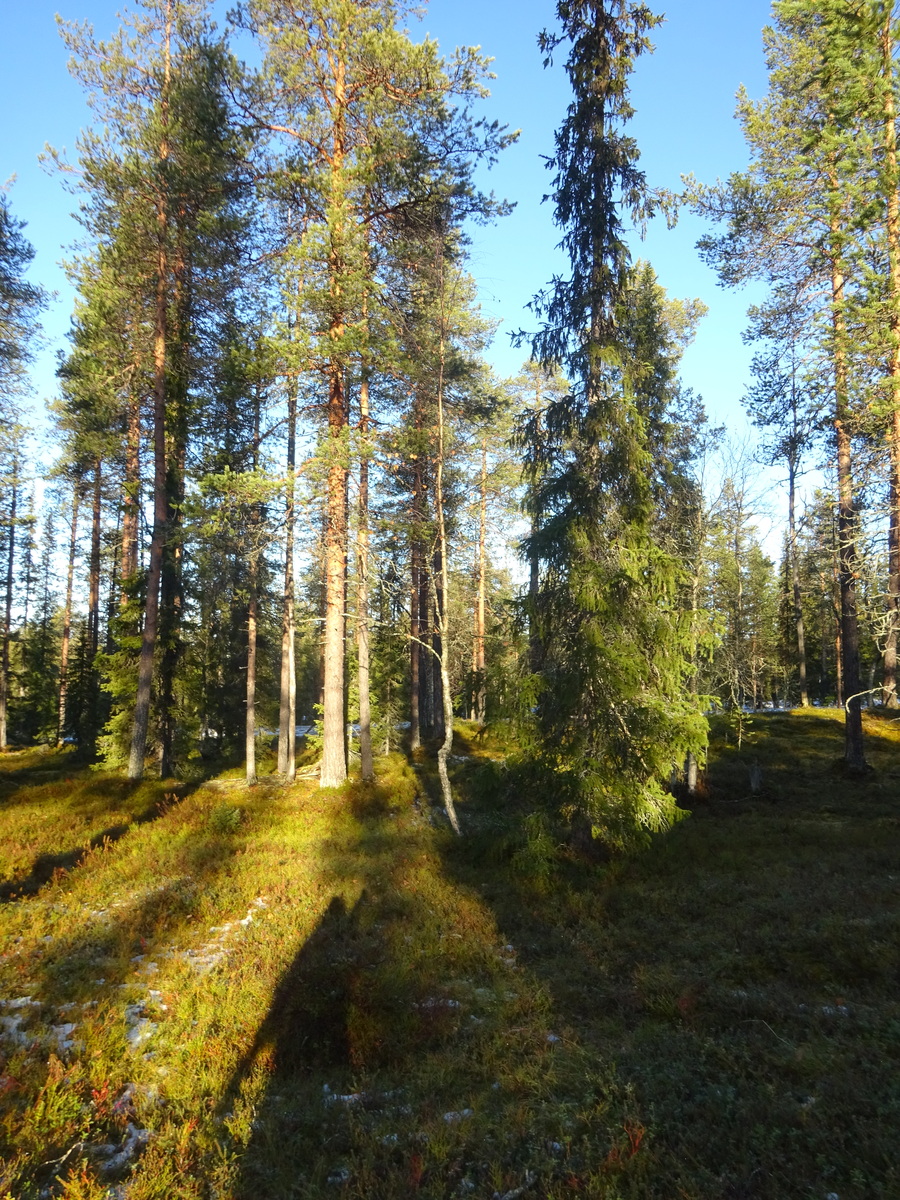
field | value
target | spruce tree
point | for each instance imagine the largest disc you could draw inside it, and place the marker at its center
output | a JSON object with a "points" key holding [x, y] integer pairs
{"points": [[615, 711]]}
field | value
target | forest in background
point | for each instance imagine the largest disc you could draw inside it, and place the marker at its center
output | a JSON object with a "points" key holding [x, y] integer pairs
{"points": [[289, 490]]}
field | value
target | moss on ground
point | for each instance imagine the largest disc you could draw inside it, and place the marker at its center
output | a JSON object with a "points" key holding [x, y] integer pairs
{"points": [[279, 992]]}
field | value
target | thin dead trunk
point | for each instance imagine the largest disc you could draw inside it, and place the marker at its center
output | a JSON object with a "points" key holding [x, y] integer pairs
{"points": [[67, 623]]}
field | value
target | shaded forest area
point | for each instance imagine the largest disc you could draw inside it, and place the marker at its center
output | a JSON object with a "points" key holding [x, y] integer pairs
{"points": [[352, 697]]}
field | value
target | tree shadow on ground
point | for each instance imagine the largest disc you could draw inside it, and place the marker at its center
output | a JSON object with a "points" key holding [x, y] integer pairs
{"points": [[47, 867]]}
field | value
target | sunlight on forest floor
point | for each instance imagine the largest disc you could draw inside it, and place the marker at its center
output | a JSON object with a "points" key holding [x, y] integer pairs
{"points": [[207, 991]]}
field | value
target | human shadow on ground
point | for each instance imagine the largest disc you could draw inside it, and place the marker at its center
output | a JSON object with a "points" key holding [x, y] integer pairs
{"points": [[373, 1072]]}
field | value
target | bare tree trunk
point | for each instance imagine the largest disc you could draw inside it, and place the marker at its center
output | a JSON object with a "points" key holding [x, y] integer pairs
{"points": [[367, 765], [141, 723], [287, 713], [67, 623], [7, 608]]}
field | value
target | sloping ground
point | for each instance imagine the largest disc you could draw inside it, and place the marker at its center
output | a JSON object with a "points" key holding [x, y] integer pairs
{"points": [[285, 993]]}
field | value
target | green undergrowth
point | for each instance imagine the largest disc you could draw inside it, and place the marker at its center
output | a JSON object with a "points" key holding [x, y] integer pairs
{"points": [[284, 992]]}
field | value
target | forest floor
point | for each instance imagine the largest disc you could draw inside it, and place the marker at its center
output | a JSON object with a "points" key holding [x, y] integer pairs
{"points": [[208, 991]]}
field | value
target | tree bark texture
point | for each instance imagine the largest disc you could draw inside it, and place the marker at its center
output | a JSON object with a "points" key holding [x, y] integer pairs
{"points": [[889, 683], [367, 765]]}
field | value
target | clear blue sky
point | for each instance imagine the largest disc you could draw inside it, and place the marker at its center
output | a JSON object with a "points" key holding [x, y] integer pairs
{"points": [[684, 95]]}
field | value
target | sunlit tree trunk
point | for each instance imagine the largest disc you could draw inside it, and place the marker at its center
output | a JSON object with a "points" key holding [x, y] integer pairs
{"points": [[367, 765], [141, 725], [893, 430], [287, 715]]}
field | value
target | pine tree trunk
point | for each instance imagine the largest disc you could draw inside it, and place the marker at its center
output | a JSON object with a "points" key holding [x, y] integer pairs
{"points": [[795, 583], [67, 624], [93, 615], [415, 633], [893, 431], [480, 661], [141, 724], [854, 754], [287, 712], [367, 765], [7, 607], [334, 741]]}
